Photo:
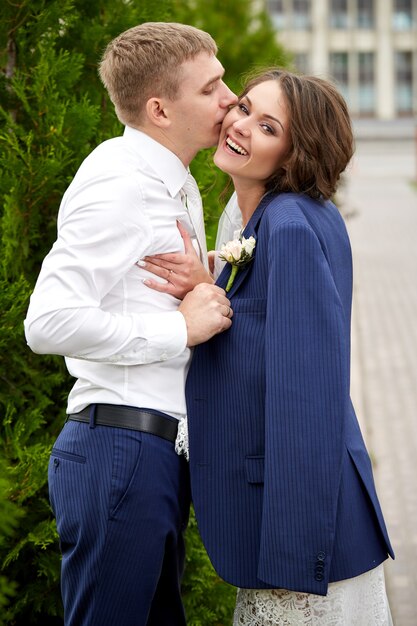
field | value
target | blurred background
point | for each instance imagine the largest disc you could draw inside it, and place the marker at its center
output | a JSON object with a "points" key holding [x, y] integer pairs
{"points": [[369, 47], [54, 111]]}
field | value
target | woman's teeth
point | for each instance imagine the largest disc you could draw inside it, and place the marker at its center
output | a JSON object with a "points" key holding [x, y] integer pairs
{"points": [[235, 147]]}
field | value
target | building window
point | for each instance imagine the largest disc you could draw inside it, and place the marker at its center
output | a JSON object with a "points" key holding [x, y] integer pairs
{"points": [[366, 88], [339, 71], [403, 82], [277, 12], [293, 14], [402, 16], [301, 18], [338, 14], [365, 14]]}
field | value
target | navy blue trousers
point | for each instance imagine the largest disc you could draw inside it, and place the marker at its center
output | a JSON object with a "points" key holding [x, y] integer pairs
{"points": [[121, 500]]}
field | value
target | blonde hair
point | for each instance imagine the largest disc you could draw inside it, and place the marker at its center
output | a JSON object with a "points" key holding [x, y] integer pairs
{"points": [[145, 61]]}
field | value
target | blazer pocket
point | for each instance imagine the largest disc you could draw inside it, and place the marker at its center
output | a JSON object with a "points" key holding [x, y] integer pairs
{"points": [[254, 469]]}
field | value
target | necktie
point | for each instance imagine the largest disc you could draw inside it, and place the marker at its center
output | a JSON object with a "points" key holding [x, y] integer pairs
{"points": [[194, 207]]}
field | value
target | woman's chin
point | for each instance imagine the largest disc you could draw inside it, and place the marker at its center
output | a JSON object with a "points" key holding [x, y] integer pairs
{"points": [[221, 162], [217, 156]]}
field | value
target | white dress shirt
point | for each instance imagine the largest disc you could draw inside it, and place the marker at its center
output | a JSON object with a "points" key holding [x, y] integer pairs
{"points": [[124, 342]]}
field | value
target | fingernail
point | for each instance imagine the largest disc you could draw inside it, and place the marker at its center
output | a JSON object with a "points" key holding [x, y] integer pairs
{"points": [[146, 282], [141, 263]]}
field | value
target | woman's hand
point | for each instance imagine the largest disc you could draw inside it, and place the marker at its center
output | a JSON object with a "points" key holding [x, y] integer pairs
{"points": [[211, 259], [182, 270]]}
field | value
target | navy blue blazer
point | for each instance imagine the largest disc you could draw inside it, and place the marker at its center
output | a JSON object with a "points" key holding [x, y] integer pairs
{"points": [[282, 482]]}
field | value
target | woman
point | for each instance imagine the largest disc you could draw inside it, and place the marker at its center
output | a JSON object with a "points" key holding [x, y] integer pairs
{"points": [[282, 482]]}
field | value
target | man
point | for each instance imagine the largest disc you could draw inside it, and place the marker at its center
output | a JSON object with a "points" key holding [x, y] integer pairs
{"points": [[119, 492]]}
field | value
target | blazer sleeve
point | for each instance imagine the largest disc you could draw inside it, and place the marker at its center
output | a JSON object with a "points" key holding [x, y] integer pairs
{"points": [[307, 396]]}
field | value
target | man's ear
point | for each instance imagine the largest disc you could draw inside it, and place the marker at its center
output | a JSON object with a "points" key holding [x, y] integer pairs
{"points": [[156, 114]]}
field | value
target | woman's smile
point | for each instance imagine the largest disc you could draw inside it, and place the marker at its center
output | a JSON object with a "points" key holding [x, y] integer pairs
{"points": [[235, 146]]}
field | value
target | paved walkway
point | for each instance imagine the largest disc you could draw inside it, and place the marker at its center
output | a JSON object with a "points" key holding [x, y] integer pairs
{"points": [[380, 206]]}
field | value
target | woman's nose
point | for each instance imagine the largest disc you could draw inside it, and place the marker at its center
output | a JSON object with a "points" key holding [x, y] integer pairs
{"points": [[241, 126]]}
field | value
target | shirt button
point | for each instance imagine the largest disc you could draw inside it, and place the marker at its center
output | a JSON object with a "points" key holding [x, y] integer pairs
{"points": [[164, 356]]}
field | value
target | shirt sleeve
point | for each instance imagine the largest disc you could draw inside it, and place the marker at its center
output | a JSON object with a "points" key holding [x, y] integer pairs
{"points": [[102, 231]]}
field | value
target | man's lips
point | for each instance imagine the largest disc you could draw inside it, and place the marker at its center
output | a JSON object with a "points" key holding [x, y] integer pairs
{"points": [[235, 147]]}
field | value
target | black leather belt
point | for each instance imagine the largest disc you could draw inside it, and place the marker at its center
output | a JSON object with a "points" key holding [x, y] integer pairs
{"points": [[129, 417]]}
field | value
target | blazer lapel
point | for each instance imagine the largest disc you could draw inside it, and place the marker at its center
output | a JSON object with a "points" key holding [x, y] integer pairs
{"points": [[251, 229]]}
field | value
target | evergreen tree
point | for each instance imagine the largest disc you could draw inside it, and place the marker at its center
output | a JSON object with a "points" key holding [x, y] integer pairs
{"points": [[53, 111]]}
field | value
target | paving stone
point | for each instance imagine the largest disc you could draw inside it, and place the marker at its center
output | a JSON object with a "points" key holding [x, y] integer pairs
{"points": [[379, 202]]}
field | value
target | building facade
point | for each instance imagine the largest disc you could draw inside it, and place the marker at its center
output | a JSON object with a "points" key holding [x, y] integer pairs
{"points": [[368, 47]]}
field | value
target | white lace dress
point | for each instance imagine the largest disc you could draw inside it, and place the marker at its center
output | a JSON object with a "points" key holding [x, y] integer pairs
{"points": [[360, 601]]}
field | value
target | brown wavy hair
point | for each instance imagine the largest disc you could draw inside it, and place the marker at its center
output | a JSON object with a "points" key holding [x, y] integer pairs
{"points": [[321, 135]]}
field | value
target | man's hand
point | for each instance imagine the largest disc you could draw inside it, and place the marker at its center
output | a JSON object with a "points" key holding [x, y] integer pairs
{"points": [[207, 312], [182, 270]]}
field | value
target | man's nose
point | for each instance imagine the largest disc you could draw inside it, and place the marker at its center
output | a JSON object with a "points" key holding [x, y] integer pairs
{"points": [[228, 97]]}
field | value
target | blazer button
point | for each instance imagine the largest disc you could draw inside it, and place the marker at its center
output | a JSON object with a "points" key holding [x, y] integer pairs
{"points": [[319, 569], [319, 577], [321, 556]]}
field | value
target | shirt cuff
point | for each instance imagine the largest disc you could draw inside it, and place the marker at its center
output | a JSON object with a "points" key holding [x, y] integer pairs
{"points": [[166, 335]]}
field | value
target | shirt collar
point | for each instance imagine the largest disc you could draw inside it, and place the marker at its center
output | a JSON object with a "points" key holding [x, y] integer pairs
{"points": [[165, 163]]}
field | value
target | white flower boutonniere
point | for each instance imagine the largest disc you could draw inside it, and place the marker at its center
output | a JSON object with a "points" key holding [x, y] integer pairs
{"points": [[238, 253]]}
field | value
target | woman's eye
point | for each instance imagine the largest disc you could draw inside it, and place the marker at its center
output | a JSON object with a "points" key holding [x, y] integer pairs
{"points": [[267, 128], [243, 108]]}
